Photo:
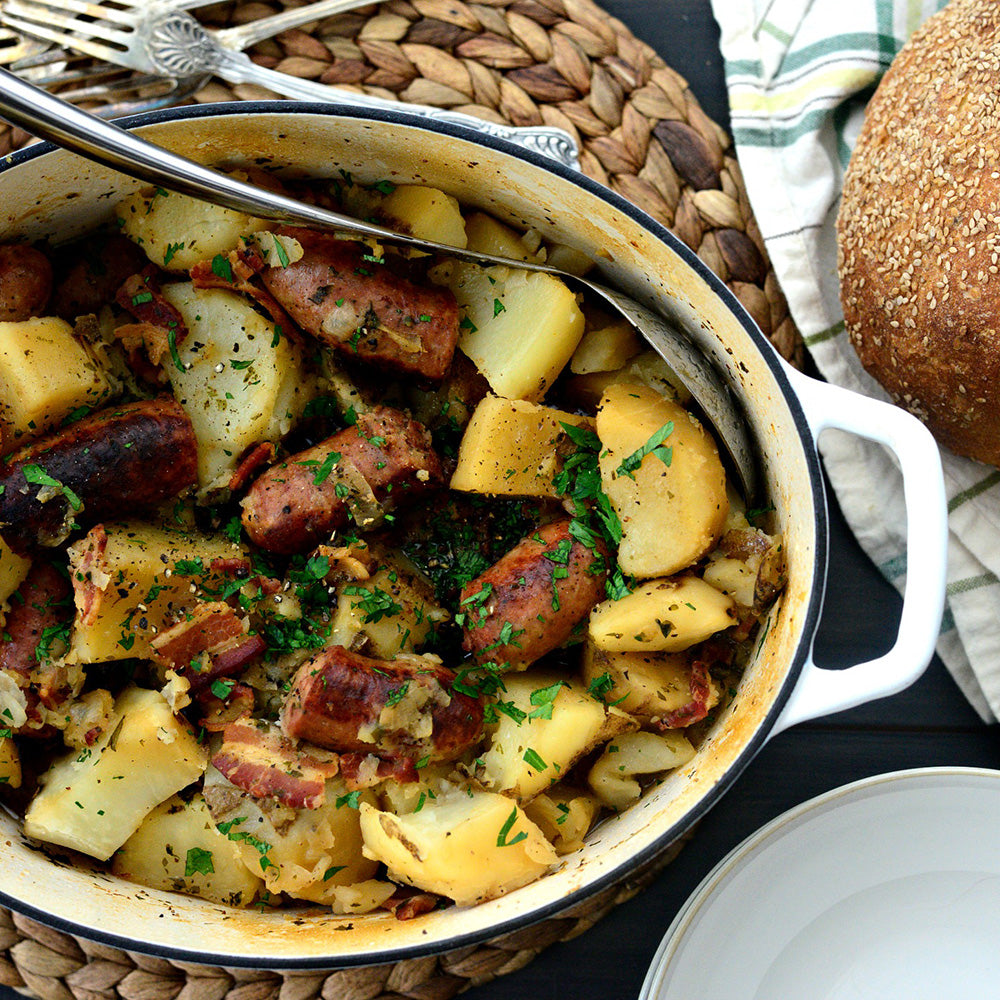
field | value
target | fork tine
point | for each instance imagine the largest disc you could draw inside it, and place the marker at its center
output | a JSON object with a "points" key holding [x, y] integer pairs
{"points": [[52, 10], [14, 47], [47, 17], [80, 74], [94, 49]]}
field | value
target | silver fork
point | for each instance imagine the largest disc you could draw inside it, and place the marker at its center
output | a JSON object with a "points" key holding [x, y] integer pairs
{"points": [[119, 90], [155, 37]]}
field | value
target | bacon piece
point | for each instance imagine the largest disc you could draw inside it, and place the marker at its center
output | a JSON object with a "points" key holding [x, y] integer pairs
{"points": [[42, 604], [405, 707], [245, 263], [211, 643], [366, 770], [697, 708], [260, 760], [153, 340], [141, 296], [209, 626], [358, 306], [251, 463], [90, 574], [406, 903]]}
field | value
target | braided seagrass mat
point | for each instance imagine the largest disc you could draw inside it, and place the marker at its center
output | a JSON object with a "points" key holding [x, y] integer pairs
{"points": [[642, 133]]}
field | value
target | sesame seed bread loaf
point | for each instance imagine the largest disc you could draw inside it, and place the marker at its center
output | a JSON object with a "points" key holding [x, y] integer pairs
{"points": [[919, 230]]}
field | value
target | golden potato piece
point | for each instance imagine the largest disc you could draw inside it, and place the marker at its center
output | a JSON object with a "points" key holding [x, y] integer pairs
{"points": [[661, 471], [239, 380], [510, 448], [488, 235], [469, 847], [178, 847], [46, 373], [663, 616], [426, 212], [561, 722], [614, 775], [645, 685], [564, 815], [10, 763], [606, 348], [137, 586], [93, 800], [176, 231]]}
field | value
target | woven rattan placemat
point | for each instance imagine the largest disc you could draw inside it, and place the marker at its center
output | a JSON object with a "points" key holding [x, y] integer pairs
{"points": [[642, 133]]}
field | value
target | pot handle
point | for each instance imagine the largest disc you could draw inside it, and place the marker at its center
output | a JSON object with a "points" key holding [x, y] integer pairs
{"points": [[820, 691]]}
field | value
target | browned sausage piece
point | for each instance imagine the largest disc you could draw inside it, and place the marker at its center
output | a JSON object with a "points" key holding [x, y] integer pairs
{"points": [[35, 633], [347, 702], [529, 602], [25, 282], [301, 500], [114, 463], [88, 275], [357, 305]]}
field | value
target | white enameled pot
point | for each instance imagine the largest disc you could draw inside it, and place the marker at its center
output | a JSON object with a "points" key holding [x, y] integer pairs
{"points": [[44, 192]]}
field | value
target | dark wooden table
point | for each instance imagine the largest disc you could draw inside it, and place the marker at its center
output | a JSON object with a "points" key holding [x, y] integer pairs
{"points": [[930, 724]]}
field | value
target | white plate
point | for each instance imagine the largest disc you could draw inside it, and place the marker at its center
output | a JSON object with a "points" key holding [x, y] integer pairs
{"points": [[888, 887]]}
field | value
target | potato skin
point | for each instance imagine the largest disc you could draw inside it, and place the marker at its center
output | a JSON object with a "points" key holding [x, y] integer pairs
{"points": [[25, 282], [535, 594]]}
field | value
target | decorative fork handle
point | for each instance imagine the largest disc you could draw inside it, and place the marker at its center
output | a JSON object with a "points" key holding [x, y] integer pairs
{"points": [[180, 47]]}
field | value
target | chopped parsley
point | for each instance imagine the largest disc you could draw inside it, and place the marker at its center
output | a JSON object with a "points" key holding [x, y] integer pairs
{"points": [[221, 267], [654, 446], [502, 840], [199, 862], [172, 249], [37, 475], [375, 603]]}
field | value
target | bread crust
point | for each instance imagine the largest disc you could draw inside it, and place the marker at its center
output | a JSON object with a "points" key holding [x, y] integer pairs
{"points": [[919, 230]]}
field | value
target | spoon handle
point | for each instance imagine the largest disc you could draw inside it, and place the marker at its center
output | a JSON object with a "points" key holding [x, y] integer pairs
{"points": [[49, 117]]}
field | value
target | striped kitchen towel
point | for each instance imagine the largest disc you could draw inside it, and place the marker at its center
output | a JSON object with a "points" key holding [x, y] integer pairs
{"points": [[799, 73]]}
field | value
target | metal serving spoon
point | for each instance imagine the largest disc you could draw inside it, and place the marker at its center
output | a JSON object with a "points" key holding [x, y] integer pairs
{"points": [[48, 117]]}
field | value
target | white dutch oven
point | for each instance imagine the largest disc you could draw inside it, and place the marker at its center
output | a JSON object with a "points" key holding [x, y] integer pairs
{"points": [[45, 192]]}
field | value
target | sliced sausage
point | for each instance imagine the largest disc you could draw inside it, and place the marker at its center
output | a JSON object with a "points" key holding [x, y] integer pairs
{"points": [[35, 634], [25, 282], [530, 601], [92, 273], [392, 708], [297, 503], [117, 462], [356, 305]]}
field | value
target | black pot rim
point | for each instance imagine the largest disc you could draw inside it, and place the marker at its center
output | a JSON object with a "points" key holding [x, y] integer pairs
{"points": [[810, 621]]}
